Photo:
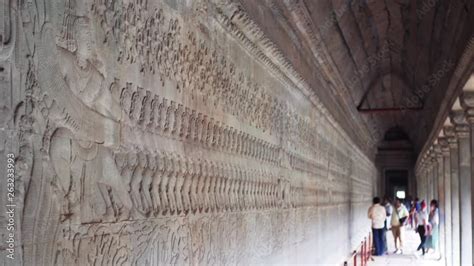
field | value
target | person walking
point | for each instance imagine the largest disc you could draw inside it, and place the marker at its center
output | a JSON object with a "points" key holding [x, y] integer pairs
{"points": [[433, 234], [389, 210], [378, 215], [398, 221], [412, 218], [422, 227]]}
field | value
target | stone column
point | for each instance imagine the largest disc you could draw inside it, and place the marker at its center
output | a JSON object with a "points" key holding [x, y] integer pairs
{"points": [[424, 184], [454, 164], [461, 127], [419, 184], [426, 180], [441, 198], [431, 177], [434, 175], [447, 200], [467, 102]]}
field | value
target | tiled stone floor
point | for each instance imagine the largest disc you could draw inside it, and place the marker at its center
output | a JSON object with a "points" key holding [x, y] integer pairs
{"points": [[408, 257]]}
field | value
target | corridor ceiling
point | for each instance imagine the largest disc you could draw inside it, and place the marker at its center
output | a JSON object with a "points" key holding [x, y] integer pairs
{"points": [[367, 59]]}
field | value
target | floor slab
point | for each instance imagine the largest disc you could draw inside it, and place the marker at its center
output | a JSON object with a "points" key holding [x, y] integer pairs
{"points": [[408, 257]]}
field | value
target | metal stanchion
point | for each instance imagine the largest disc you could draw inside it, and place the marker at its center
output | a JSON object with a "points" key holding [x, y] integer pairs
{"points": [[355, 258], [365, 251]]}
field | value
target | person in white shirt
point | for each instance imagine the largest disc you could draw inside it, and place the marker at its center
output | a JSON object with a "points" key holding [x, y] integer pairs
{"points": [[398, 221], [422, 227], [388, 209], [378, 215]]}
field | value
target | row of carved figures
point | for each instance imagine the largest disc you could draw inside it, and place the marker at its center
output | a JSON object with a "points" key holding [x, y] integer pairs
{"points": [[160, 115], [158, 44], [150, 39], [158, 41], [168, 184]]}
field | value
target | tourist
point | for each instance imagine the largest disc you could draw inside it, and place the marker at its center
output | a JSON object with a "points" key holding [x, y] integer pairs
{"points": [[422, 226], [412, 217], [378, 215], [398, 221], [417, 204], [388, 209], [433, 219]]}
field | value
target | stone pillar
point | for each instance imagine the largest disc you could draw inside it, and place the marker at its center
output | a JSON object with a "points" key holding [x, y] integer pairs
{"points": [[421, 185], [467, 102], [441, 198], [461, 127], [426, 178], [447, 200], [434, 176], [426, 187], [454, 164]]}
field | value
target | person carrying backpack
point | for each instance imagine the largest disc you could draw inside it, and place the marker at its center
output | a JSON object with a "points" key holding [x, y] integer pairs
{"points": [[398, 222]]}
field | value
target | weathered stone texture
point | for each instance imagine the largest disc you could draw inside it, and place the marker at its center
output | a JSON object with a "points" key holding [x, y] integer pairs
{"points": [[165, 132]]}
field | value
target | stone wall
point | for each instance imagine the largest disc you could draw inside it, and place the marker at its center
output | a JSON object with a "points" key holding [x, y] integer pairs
{"points": [[168, 132]]}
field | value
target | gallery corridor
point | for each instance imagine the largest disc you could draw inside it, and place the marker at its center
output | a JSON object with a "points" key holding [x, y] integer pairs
{"points": [[230, 132]]}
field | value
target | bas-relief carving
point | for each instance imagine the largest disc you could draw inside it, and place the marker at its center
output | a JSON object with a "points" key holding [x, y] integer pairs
{"points": [[254, 189]]}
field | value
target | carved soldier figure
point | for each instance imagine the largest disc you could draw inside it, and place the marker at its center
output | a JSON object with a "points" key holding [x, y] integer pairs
{"points": [[146, 184], [191, 126], [210, 133], [156, 183], [218, 188], [239, 189], [161, 116], [137, 178], [205, 186], [188, 175], [146, 110], [227, 191], [200, 186], [167, 171], [194, 188], [203, 130], [233, 188], [213, 186], [177, 120], [126, 98], [178, 188], [185, 120], [171, 186], [151, 123], [170, 118]]}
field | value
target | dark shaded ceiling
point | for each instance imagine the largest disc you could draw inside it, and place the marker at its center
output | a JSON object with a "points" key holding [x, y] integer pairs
{"points": [[366, 59]]}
